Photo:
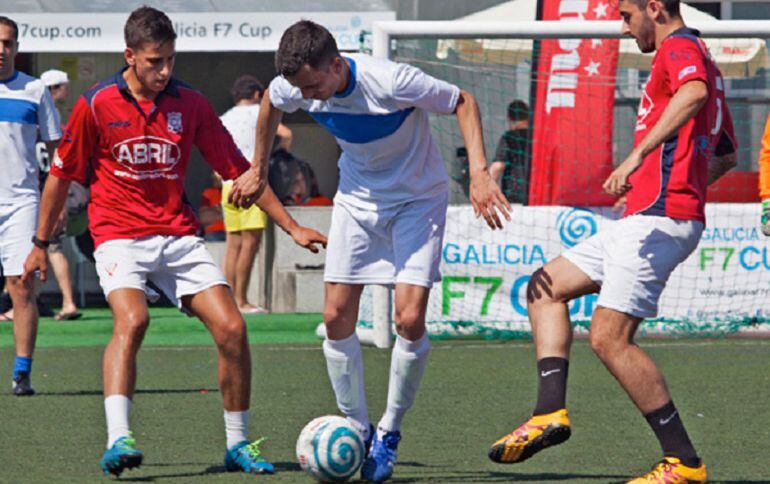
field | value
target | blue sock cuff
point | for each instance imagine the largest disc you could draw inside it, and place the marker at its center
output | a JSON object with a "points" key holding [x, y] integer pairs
{"points": [[22, 364]]}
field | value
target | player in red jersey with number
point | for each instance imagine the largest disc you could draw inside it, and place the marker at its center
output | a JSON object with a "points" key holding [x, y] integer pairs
{"points": [[130, 136], [684, 141]]}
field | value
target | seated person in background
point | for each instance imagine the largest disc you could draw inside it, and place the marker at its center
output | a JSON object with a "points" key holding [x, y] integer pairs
{"points": [[210, 211], [511, 165], [294, 182]]}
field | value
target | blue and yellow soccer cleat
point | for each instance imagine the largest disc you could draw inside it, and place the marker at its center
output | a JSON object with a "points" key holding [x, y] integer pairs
{"points": [[539, 432], [378, 466], [246, 457], [671, 471], [121, 456]]}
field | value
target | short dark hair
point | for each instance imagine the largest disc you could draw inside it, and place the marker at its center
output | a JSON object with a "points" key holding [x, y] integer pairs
{"points": [[10, 23], [147, 24], [305, 42], [245, 87], [671, 6], [518, 111]]}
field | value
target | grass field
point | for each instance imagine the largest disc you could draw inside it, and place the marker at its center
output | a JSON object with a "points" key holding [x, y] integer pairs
{"points": [[472, 393]]}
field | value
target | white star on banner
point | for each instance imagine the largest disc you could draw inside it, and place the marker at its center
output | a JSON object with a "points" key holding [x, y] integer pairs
{"points": [[596, 43], [600, 10], [592, 68]]}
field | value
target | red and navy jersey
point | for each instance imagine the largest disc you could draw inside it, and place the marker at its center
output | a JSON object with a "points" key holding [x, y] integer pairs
{"points": [[672, 179], [135, 156]]}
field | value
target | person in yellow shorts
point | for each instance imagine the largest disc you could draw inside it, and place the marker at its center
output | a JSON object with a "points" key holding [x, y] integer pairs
{"points": [[764, 179], [244, 226]]}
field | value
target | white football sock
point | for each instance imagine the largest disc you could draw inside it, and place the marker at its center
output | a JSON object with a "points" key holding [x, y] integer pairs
{"points": [[236, 427], [346, 372], [117, 409], [407, 364]]}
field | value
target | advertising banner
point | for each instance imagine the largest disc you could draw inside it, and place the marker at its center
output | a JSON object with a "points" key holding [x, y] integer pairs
{"points": [[573, 110], [196, 32], [725, 280]]}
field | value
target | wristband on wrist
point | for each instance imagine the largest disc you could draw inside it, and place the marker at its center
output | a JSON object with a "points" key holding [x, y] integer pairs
{"points": [[41, 244]]}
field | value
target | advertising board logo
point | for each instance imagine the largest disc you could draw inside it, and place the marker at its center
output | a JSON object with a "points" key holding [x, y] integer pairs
{"points": [[575, 225]]}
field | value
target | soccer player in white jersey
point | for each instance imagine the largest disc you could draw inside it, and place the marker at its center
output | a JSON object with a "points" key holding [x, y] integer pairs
{"points": [[26, 107], [389, 211]]}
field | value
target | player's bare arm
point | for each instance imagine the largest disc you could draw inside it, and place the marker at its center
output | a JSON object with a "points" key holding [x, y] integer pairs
{"points": [[303, 236], [51, 206], [251, 184], [685, 104], [485, 194]]}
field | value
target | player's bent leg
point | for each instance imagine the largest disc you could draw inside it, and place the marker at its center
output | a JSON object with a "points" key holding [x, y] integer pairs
{"points": [[130, 321], [216, 308], [342, 351], [548, 293], [612, 339], [25, 319], [407, 365]]}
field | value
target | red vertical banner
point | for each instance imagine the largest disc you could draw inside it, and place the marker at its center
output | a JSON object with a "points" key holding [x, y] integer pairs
{"points": [[573, 113]]}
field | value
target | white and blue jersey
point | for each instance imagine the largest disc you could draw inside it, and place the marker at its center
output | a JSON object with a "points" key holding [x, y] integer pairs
{"points": [[26, 106], [381, 123]]}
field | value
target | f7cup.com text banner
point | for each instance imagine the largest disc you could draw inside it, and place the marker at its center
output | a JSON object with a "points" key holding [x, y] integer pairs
{"points": [[197, 32], [485, 273]]}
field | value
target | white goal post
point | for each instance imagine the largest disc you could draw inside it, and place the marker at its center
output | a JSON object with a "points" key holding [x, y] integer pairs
{"points": [[384, 33]]}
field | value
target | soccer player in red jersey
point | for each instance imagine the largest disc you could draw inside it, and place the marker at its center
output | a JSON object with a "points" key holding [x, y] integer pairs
{"points": [[684, 141], [130, 137]]}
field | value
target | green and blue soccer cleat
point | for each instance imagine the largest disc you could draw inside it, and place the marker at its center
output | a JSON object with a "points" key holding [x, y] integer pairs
{"points": [[378, 466], [121, 456], [246, 457]]}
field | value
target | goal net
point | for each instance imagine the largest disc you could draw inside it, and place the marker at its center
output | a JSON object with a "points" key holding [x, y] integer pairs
{"points": [[579, 86]]}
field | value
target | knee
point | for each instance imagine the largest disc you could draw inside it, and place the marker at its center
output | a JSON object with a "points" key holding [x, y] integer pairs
{"points": [[604, 343], [231, 333], [540, 288], [135, 324], [410, 321], [22, 293], [334, 315]]}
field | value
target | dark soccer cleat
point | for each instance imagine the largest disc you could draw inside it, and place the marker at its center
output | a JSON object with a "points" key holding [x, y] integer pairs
{"points": [[22, 386], [538, 433], [121, 456]]}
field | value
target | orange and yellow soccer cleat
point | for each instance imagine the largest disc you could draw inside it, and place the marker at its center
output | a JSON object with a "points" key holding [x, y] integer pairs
{"points": [[671, 471], [539, 432]]}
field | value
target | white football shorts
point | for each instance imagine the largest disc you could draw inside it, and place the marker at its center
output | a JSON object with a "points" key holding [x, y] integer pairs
{"points": [[633, 258], [178, 266], [399, 244], [17, 226]]}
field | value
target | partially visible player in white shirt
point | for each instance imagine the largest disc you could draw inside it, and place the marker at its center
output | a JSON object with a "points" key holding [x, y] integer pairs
{"points": [[389, 211], [244, 226], [26, 107]]}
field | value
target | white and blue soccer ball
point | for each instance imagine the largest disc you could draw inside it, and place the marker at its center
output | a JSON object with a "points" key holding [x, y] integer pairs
{"points": [[330, 449]]}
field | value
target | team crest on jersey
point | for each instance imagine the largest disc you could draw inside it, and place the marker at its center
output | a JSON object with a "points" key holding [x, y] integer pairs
{"points": [[175, 122]]}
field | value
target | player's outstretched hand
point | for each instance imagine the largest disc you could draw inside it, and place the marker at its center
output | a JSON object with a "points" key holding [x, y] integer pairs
{"points": [[309, 238], [488, 200], [248, 187], [37, 260], [617, 183]]}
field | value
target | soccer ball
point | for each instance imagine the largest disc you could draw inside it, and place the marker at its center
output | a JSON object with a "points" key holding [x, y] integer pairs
{"points": [[330, 449]]}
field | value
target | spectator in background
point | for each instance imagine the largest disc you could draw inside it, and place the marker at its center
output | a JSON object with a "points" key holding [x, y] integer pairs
{"points": [[210, 211], [511, 165], [293, 181], [244, 226], [27, 109], [57, 83]]}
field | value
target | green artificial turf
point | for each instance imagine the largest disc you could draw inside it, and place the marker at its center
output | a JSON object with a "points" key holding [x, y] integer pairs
{"points": [[472, 393]]}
